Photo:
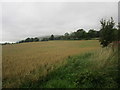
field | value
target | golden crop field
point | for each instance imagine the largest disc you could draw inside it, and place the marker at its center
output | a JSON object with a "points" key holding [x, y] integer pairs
{"points": [[20, 60]]}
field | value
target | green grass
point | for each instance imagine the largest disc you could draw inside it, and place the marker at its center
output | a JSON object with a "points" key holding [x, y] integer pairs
{"points": [[87, 70]]}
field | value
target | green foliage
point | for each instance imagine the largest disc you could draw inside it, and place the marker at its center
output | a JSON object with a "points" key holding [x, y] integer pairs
{"points": [[45, 39], [52, 37], [73, 36], [107, 34], [29, 40], [95, 79], [35, 39], [93, 33], [66, 36], [89, 79], [80, 34]]}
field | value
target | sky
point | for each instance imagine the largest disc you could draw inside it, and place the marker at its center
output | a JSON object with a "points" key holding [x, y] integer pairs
{"points": [[35, 19]]}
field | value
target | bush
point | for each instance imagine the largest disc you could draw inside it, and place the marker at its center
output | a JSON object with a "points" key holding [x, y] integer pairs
{"points": [[90, 79]]}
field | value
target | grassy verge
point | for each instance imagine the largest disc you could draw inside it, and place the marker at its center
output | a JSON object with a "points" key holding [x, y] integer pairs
{"points": [[90, 70]]}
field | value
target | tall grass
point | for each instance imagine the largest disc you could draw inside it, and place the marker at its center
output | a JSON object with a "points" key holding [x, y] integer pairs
{"points": [[97, 69]]}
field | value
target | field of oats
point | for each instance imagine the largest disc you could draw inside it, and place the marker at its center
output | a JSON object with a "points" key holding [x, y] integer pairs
{"points": [[34, 60]]}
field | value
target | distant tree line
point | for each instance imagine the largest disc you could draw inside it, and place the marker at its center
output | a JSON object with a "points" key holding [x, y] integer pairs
{"points": [[29, 40], [80, 34]]}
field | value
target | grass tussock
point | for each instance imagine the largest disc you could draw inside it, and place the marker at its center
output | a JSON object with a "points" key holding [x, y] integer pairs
{"points": [[97, 69]]}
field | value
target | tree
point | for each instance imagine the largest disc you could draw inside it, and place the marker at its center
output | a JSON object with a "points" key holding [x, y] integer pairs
{"points": [[97, 33], [36, 39], [72, 36], [27, 40], [52, 37], [107, 32], [22, 41], [45, 39], [116, 35], [80, 34], [66, 35], [92, 33]]}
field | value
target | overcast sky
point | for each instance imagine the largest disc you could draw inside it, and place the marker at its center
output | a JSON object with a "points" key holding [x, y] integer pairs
{"points": [[31, 19]]}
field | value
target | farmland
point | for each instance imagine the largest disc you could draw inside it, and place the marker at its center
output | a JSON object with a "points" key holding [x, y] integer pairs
{"points": [[22, 60]]}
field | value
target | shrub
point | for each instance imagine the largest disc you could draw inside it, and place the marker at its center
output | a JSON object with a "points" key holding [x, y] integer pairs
{"points": [[90, 79]]}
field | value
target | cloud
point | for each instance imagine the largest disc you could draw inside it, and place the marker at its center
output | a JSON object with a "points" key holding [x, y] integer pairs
{"points": [[22, 20]]}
